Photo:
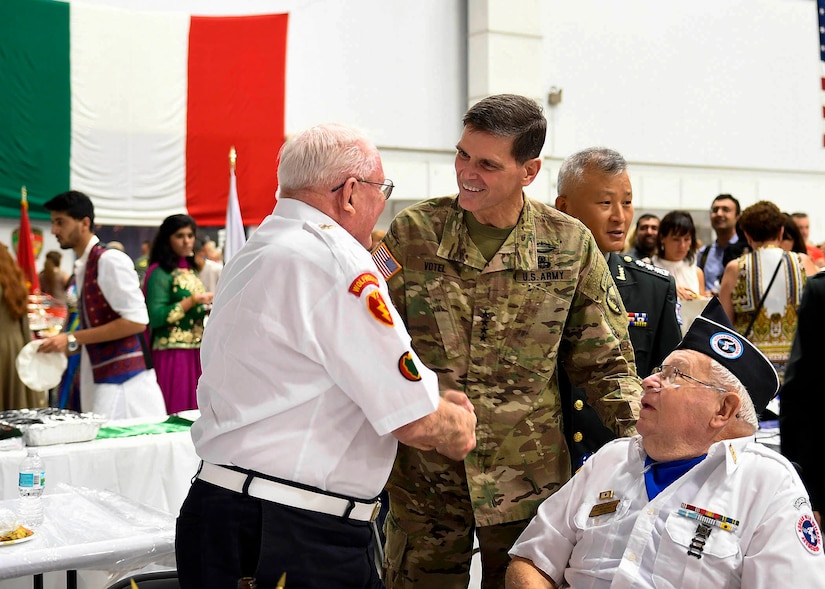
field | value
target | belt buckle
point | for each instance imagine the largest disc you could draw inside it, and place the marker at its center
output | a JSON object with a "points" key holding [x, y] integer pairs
{"points": [[375, 510]]}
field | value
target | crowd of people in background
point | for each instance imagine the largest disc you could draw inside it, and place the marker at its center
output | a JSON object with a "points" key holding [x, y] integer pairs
{"points": [[538, 352], [156, 306], [670, 243], [757, 264]]}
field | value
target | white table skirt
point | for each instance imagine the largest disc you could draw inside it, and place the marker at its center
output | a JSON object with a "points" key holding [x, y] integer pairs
{"points": [[89, 529], [155, 470]]}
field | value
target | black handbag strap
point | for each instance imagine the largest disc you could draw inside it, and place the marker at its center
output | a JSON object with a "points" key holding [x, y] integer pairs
{"points": [[765, 294]]}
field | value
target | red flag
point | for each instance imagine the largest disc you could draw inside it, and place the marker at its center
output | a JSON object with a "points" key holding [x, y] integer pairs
{"points": [[25, 247], [236, 87]]}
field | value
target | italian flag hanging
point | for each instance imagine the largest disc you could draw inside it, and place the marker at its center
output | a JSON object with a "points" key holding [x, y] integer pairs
{"points": [[139, 110]]}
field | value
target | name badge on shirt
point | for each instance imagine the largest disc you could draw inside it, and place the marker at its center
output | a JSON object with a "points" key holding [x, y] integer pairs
{"points": [[548, 275], [604, 508]]}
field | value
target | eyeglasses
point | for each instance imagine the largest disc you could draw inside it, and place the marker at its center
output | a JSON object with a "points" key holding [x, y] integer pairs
{"points": [[668, 374], [386, 186]]}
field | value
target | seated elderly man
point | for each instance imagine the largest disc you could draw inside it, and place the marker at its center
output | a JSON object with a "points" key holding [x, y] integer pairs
{"points": [[693, 501]]}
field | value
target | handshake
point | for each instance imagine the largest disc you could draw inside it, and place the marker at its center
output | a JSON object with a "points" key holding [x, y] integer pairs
{"points": [[449, 430]]}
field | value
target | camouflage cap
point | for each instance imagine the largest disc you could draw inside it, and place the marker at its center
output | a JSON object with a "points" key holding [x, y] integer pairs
{"points": [[712, 334]]}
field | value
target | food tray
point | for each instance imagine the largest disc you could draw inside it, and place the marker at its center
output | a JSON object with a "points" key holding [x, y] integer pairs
{"points": [[44, 427]]}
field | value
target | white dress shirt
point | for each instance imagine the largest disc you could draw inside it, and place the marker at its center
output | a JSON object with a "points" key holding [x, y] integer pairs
{"points": [[303, 376], [140, 396], [644, 544]]}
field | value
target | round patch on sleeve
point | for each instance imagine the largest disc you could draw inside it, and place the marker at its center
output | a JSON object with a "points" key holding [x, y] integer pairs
{"points": [[613, 298], [407, 366], [808, 533]]}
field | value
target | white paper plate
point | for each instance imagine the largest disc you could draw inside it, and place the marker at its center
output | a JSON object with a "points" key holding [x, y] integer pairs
{"points": [[18, 540], [40, 372]]}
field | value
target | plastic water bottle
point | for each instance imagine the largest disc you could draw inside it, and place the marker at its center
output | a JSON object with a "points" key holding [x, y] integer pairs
{"points": [[31, 484]]}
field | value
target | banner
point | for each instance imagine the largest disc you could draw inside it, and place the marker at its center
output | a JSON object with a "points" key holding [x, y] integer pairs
{"points": [[138, 109]]}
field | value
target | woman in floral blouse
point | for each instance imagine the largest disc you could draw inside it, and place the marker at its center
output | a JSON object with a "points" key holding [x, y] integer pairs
{"points": [[177, 304]]}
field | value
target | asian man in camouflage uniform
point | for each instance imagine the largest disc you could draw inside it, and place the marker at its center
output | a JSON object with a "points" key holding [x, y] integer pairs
{"points": [[495, 287]]}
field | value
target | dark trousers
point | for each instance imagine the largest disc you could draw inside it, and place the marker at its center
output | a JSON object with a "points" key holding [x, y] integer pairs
{"points": [[223, 536]]}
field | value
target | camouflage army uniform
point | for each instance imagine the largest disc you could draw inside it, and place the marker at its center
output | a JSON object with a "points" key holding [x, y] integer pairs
{"points": [[494, 330]]}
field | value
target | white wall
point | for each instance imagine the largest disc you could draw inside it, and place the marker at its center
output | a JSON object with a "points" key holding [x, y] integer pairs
{"points": [[717, 83], [701, 97]]}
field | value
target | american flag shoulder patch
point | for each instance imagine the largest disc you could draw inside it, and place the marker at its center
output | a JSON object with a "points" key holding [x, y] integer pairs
{"points": [[386, 263]]}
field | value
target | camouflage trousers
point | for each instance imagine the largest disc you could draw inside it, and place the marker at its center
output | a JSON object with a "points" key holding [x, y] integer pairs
{"points": [[435, 552]]}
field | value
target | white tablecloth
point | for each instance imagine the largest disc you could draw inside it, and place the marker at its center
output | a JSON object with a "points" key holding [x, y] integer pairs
{"points": [[155, 470], [89, 529]]}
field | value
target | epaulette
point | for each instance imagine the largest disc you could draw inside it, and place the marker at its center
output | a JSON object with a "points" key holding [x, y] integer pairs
{"points": [[650, 268], [326, 232]]}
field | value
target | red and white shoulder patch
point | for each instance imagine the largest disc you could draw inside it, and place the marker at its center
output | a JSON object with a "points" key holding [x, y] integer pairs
{"points": [[361, 282], [808, 533]]}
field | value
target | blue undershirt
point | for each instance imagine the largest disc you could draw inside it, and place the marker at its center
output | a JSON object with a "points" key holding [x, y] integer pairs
{"points": [[658, 475]]}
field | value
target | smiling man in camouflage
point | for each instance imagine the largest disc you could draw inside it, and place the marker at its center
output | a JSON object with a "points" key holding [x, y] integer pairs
{"points": [[494, 288]]}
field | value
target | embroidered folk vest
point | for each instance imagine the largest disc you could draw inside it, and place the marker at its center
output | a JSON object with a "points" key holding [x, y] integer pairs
{"points": [[115, 361]]}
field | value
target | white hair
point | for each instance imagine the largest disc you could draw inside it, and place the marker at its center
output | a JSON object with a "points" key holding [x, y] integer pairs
{"points": [[601, 159], [724, 378], [324, 156]]}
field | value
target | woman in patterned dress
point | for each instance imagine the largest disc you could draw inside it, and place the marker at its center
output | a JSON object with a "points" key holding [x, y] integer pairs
{"points": [[746, 282], [177, 303]]}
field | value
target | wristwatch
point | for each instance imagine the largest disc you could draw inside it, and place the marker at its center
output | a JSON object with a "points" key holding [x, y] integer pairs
{"points": [[73, 345]]}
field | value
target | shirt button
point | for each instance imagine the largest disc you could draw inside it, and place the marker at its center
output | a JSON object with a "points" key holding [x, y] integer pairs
{"points": [[578, 405], [578, 437], [631, 557]]}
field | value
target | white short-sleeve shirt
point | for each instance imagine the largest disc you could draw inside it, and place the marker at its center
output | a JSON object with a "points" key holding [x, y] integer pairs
{"points": [[307, 366], [601, 531]]}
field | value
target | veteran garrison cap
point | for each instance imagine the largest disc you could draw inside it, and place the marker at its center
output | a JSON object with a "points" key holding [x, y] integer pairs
{"points": [[712, 334]]}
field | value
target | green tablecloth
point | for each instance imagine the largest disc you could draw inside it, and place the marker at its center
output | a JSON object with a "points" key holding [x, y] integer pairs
{"points": [[172, 424]]}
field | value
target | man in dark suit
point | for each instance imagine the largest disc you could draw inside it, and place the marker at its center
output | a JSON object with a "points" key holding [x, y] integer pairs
{"points": [[801, 402], [594, 187]]}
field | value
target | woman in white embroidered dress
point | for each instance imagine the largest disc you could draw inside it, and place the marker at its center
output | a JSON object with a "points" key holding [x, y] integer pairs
{"points": [[677, 247]]}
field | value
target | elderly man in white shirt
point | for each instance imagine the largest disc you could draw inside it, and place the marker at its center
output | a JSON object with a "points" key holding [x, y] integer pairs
{"points": [[309, 382], [693, 501]]}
